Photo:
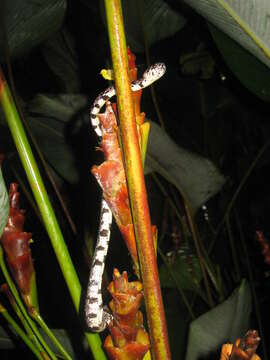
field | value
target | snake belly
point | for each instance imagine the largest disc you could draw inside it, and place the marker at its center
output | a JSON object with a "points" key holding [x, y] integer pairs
{"points": [[98, 317]]}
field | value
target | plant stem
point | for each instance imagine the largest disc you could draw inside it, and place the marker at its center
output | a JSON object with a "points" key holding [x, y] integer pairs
{"points": [[21, 307], [37, 317], [45, 207], [19, 331], [136, 185]]}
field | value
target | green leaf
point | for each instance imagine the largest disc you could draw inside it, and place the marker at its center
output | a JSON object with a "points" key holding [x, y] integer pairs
{"points": [[28, 23], [50, 116], [4, 204], [62, 335], [225, 323], [159, 21], [186, 272], [64, 339], [60, 54], [48, 119], [5, 340], [252, 73], [196, 177], [243, 21]]}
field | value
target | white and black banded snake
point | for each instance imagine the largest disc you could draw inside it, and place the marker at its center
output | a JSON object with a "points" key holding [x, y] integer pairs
{"points": [[98, 318]]}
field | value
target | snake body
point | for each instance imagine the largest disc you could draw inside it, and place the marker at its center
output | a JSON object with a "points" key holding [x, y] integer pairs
{"points": [[98, 318]]}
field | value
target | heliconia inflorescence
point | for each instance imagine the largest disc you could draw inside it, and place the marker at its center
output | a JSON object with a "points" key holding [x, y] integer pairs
{"points": [[243, 349], [16, 244], [111, 174], [128, 339]]}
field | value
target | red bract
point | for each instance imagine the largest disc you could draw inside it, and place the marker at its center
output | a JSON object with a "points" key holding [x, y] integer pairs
{"points": [[111, 174], [111, 177], [243, 349], [16, 245], [128, 339], [246, 347], [265, 246]]}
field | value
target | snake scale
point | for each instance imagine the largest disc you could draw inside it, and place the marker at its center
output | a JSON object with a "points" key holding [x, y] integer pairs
{"points": [[97, 317]]}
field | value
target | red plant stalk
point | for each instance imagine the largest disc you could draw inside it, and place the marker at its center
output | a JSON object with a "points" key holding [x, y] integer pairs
{"points": [[136, 185], [16, 244], [128, 339]]}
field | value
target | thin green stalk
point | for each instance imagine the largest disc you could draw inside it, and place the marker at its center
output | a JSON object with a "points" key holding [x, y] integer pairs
{"points": [[45, 207], [19, 331], [19, 302], [36, 147], [37, 317], [23, 320]]}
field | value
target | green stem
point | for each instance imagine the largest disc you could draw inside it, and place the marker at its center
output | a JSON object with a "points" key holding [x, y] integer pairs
{"points": [[37, 317], [23, 320], [45, 207], [19, 302], [19, 331]]}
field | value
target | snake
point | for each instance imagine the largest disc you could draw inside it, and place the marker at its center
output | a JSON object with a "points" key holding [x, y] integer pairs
{"points": [[98, 317]]}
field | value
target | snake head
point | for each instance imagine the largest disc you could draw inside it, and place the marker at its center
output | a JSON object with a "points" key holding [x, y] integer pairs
{"points": [[155, 71]]}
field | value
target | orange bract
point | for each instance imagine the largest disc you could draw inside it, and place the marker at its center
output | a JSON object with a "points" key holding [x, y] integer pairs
{"points": [[128, 339]]}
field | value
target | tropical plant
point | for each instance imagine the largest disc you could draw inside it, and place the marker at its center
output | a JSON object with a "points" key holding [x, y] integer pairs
{"points": [[211, 251]]}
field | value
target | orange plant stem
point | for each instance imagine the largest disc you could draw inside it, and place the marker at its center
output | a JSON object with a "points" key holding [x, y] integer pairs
{"points": [[136, 185]]}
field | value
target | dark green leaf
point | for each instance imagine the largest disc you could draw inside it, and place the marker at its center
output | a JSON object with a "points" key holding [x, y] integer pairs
{"points": [[48, 121], [60, 54], [186, 272], [27, 23], [225, 323], [154, 17], [247, 68], [5, 341]]}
